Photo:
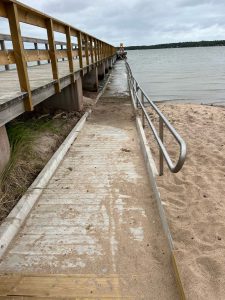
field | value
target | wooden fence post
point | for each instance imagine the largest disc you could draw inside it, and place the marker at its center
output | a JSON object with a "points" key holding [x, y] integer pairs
{"points": [[80, 51], [52, 53], [86, 50], [69, 51], [95, 47], [36, 48], [91, 48]]}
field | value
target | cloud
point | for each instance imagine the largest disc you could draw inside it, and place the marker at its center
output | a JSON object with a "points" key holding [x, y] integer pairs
{"points": [[138, 22]]}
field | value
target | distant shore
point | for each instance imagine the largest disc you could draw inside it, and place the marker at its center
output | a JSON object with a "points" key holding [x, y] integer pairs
{"points": [[179, 45]]}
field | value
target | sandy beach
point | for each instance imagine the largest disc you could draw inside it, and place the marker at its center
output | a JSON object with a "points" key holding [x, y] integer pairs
{"points": [[194, 198]]}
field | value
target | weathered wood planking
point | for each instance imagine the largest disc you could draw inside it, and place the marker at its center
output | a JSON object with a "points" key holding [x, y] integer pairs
{"points": [[38, 77], [60, 286]]}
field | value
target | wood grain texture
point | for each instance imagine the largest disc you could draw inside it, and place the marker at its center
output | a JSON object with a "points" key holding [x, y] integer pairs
{"points": [[12, 14]]}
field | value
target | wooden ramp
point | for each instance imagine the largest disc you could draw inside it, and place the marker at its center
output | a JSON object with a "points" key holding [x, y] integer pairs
{"points": [[96, 221], [18, 286]]}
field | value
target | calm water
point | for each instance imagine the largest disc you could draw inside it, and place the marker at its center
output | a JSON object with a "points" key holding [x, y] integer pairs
{"points": [[188, 74]]}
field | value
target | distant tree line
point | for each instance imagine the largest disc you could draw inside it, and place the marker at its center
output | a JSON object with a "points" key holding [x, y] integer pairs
{"points": [[179, 45]]}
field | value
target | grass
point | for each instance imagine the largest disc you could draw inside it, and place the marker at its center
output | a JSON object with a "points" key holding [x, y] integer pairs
{"points": [[26, 163]]}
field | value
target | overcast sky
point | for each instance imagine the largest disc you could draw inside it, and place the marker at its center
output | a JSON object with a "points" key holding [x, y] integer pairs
{"points": [[138, 22]]}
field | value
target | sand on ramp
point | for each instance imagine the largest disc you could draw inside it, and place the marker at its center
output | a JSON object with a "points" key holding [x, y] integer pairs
{"points": [[194, 199]]}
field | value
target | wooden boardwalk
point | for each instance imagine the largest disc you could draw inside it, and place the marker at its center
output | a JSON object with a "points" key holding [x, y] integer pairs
{"points": [[39, 76], [95, 231], [42, 87]]}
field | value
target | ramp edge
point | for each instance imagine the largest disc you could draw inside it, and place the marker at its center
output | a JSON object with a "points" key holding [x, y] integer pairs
{"points": [[10, 227]]}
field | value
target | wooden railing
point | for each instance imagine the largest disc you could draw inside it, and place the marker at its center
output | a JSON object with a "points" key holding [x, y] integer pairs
{"points": [[31, 53], [93, 49]]}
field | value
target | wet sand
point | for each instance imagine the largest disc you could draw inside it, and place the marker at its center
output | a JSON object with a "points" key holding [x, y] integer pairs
{"points": [[194, 198]]}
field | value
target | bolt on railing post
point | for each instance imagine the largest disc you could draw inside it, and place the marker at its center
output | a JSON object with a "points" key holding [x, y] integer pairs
{"points": [[160, 151], [143, 103]]}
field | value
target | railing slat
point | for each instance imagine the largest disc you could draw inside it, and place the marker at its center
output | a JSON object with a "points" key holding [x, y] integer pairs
{"points": [[52, 53], [69, 50], [86, 49], [91, 48], [80, 52]]}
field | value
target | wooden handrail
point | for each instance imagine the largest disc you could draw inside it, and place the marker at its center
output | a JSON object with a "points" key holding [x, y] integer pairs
{"points": [[7, 37], [17, 13]]}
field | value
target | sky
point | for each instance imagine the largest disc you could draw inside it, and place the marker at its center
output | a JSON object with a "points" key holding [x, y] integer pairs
{"points": [[137, 22]]}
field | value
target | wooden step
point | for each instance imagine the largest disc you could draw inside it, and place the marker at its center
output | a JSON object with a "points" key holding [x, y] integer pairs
{"points": [[60, 286]]}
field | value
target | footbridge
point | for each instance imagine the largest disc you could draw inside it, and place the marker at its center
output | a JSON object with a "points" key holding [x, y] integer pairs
{"points": [[92, 224]]}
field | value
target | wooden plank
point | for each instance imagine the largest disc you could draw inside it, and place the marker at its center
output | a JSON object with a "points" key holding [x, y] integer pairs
{"points": [[69, 49], [91, 50], [7, 37], [80, 52], [98, 49], [2, 45], [36, 48], [12, 14], [36, 55], [3, 12], [95, 50], [7, 57], [86, 49], [60, 286], [52, 53]]}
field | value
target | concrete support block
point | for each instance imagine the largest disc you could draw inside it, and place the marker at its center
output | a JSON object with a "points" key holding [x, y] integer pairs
{"points": [[110, 63], [106, 66], [101, 71], [4, 148], [90, 81], [69, 99]]}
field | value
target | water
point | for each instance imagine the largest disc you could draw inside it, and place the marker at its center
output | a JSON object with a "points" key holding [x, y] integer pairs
{"points": [[181, 74]]}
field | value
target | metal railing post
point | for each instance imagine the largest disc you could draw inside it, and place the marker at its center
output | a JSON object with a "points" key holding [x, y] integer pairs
{"points": [[136, 91], [160, 151], [143, 115]]}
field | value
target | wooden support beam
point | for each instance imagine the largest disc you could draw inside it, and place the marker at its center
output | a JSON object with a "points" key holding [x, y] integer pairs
{"points": [[91, 48], [36, 48], [70, 51], [98, 46], [86, 49], [63, 59], [95, 47], [80, 52], [2, 45], [12, 14], [46, 47], [52, 53]]}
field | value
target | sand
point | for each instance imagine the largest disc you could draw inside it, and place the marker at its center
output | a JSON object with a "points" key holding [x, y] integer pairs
{"points": [[194, 198]]}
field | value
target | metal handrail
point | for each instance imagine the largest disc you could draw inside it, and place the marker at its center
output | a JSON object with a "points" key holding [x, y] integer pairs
{"points": [[135, 88]]}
